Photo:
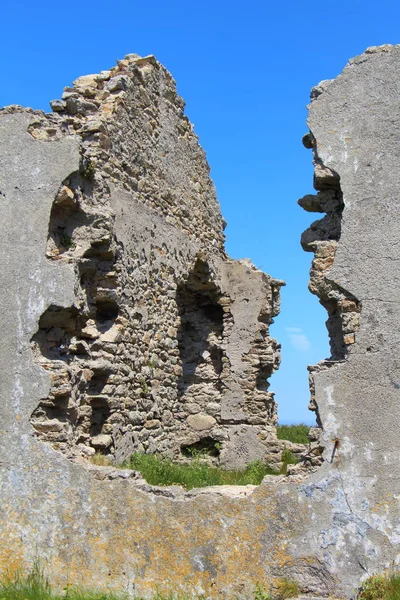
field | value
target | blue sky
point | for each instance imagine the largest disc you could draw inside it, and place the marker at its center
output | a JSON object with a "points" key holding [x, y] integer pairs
{"points": [[245, 70]]}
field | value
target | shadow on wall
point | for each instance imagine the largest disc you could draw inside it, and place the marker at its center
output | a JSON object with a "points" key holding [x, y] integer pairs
{"points": [[201, 329], [76, 411]]}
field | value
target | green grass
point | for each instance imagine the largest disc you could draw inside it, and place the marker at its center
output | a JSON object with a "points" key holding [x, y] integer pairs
{"points": [[35, 586], [161, 471], [284, 589], [288, 458], [66, 241], [260, 593], [287, 588], [381, 587], [293, 433]]}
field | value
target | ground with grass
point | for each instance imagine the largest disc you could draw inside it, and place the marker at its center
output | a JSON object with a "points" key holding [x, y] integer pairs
{"points": [[160, 471]]}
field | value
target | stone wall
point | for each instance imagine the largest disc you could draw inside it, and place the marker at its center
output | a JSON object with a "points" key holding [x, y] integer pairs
{"points": [[80, 246], [165, 347]]}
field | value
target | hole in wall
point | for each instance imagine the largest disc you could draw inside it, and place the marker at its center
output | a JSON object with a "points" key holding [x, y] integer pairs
{"points": [[262, 381], [66, 217], [201, 328], [68, 339], [56, 327], [207, 446], [106, 310], [97, 383], [100, 413]]}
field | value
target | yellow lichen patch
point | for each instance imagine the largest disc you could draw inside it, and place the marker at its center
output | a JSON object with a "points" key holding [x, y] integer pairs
{"points": [[385, 504], [11, 553]]}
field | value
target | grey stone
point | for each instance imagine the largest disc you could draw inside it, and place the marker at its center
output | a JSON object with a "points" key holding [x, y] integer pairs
{"points": [[119, 82], [93, 126], [317, 90], [200, 422], [58, 105], [101, 441]]}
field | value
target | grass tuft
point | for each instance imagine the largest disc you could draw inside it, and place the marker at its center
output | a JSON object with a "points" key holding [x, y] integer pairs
{"points": [[381, 587], [260, 593], [66, 241], [33, 586], [288, 458], [284, 589], [293, 433], [287, 588]]}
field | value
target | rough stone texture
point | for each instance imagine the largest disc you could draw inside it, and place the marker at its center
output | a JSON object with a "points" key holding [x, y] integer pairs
{"points": [[101, 526], [164, 346]]}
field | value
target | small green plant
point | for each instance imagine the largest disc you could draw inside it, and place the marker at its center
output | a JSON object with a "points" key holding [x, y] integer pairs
{"points": [[288, 458], [162, 471], [381, 587], [293, 433], [260, 593], [144, 387], [88, 168], [66, 241], [287, 588]]}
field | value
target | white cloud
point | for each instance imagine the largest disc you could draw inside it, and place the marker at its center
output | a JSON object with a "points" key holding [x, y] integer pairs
{"points": [[298, 339]]}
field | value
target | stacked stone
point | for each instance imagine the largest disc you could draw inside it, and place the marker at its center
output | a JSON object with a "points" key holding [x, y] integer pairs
{"points": [[167, 346], [122, 115]]}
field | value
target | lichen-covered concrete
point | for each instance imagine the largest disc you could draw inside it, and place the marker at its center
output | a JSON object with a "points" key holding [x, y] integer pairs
{"points": [[104, 526]]}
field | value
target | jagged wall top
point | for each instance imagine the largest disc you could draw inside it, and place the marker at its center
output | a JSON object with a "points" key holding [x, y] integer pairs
{"points": [[162, 165]]}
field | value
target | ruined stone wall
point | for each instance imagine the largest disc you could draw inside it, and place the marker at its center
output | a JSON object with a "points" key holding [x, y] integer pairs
{"points": [[165, 347], [322, 239], [78, 252]]}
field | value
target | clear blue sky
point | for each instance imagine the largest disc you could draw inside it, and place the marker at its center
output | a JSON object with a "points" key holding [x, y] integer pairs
{"points": [[245, 70]]}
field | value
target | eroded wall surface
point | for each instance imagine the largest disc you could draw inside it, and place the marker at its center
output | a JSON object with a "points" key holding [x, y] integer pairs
{"points": [[114, 271], [164, 345]]}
